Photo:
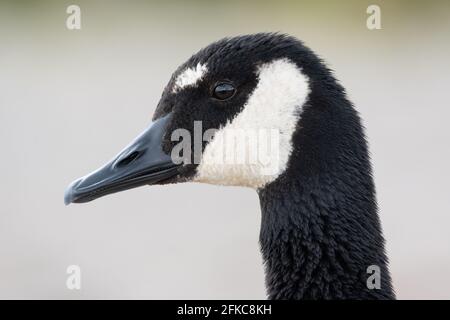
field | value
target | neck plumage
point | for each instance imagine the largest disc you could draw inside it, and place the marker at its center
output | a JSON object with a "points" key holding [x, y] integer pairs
{"points": [[320, 230], [318, 244]]}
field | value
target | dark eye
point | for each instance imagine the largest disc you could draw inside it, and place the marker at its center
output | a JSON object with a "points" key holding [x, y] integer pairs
{"points": [[223, 91]]}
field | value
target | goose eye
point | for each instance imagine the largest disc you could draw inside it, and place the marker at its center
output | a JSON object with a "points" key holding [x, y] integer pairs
{"points": [[223, 91]]}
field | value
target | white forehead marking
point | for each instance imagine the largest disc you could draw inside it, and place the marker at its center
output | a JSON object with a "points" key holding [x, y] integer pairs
{"points": [[190, 77], [276, 103]]}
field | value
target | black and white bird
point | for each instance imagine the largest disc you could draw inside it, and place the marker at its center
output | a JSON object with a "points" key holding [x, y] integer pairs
{"points": [[320, 230]]}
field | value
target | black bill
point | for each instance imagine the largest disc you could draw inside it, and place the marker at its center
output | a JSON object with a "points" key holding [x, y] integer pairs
{"points": [[142, 162]]}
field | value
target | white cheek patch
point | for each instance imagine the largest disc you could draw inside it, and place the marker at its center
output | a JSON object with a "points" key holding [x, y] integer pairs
{"points": [[190, 77], [273, 107]]}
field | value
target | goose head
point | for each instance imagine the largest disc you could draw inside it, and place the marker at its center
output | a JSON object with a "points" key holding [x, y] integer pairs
{"points": [[263, 111], [227, 117]]}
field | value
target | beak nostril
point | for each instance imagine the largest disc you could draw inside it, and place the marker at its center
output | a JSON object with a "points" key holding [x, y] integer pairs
{"points": [[129, 158]]}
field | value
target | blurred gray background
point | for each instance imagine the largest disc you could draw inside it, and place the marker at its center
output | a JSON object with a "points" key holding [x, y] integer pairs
{"points": [[70, 100]]}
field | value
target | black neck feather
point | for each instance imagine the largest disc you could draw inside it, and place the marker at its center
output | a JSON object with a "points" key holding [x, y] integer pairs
{"points": [[320, 229]]}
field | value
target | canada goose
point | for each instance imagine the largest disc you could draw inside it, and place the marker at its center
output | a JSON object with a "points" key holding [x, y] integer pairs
{"points": [[320, 230]]}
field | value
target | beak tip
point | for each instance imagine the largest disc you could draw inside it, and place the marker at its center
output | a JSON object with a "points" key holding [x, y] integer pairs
{"points": [[68, 196], [70, 193]]}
